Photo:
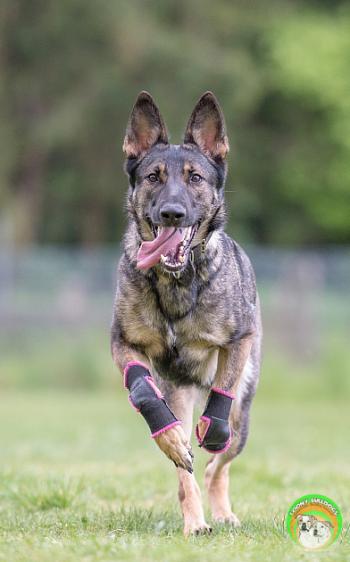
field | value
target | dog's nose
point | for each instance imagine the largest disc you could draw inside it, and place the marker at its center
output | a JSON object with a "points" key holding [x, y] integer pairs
{"points": [[303, 527], [172, 213]]}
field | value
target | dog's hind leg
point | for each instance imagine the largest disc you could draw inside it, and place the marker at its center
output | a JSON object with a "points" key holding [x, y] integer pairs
{"points": [[181, 400], [191, 505], [217, 485], [217, 472]]}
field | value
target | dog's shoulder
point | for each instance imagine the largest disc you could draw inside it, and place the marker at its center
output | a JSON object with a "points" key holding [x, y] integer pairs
{"points": [[239, 266]]}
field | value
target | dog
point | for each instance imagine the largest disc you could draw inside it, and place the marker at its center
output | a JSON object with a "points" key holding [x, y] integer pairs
{"points": [[322, 531], [186, 323], [305, 530], [305, 522], [313, 532]]}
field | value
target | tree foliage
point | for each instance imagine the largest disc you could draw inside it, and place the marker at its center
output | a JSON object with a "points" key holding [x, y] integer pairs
{"points": [[71, 70]]}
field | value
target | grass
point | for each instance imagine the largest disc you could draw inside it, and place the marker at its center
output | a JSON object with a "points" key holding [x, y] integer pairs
{"points": [[81, 480]]}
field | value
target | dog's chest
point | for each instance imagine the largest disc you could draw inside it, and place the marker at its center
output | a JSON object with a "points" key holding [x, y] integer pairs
{"points": [[171, 337], [190, 349], [180, 330], [195, 331]]}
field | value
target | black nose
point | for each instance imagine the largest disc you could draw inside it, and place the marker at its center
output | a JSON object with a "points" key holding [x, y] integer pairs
{"points": [[172, 213], [303, 526]]}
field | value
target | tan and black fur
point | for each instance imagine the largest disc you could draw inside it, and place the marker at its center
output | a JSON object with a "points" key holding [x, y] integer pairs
{"points": [[198, 328]]}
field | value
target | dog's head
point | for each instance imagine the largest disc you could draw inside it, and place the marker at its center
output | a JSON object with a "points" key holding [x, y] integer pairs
{"points": [[305, 522], [322, 529], [175, 191]]}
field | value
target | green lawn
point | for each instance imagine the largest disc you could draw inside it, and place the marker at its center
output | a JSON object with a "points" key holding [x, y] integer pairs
{"points": [[82, 480]]}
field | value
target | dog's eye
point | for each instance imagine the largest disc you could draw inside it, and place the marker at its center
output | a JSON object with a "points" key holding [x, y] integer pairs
{"points": [[196, 178], [152, 177]]}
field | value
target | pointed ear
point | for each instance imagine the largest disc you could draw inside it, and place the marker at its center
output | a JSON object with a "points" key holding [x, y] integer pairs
{"points": [[145, 127], [206, 127]]}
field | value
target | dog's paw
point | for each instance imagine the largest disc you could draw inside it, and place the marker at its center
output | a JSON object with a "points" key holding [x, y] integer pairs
{"points": [[229, 519], [176, 447], [213, 434], [196, 530]]}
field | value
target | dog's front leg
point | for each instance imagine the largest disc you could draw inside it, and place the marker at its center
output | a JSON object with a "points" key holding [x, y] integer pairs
{"points": [[182, 400], [147, 399], [216, 430], [213, 430]]}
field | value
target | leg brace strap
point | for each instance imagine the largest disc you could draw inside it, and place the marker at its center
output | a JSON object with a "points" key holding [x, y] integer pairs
{"points": [[146, 398], [217, 435]]}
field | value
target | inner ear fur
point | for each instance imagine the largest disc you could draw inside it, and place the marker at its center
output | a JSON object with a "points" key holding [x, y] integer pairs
{"points": [[206, 128], [145, 127]]}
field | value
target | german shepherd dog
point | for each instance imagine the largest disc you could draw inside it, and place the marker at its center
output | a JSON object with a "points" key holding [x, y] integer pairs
{"points": [[186, 312]]}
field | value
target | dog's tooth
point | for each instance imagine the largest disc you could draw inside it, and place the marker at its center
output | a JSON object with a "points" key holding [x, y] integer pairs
{"points": [[182, 259]]}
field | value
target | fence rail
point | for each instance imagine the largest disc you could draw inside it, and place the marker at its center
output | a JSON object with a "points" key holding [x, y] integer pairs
{"points": [[305, 294]]}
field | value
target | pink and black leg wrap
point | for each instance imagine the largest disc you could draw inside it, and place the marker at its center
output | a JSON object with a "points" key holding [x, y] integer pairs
{"points": [[147, 399], [217, 435]]}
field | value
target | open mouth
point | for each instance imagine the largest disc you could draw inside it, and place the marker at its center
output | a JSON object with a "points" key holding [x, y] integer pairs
{"points": [[171, 247]]}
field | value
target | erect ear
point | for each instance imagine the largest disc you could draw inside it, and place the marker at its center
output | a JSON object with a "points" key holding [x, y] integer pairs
{"points": [[206, 127], [145, 127]]}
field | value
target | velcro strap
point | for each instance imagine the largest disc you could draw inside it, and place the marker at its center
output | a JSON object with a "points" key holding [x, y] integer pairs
{"points": [[217, 434], [147, 399]]}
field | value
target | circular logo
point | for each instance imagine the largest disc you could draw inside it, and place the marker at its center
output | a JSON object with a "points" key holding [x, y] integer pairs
{"points": [[314, 521]]}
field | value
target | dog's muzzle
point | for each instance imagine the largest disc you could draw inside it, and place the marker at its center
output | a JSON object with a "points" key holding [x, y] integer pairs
{"points": [[170, 247]]}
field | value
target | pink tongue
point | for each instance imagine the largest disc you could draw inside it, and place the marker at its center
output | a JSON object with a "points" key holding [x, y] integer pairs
{"points": [[149, 252]]}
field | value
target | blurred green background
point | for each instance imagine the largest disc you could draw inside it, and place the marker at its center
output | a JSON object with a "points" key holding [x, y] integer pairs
{"points": [[69, 74], [71, 70]]}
